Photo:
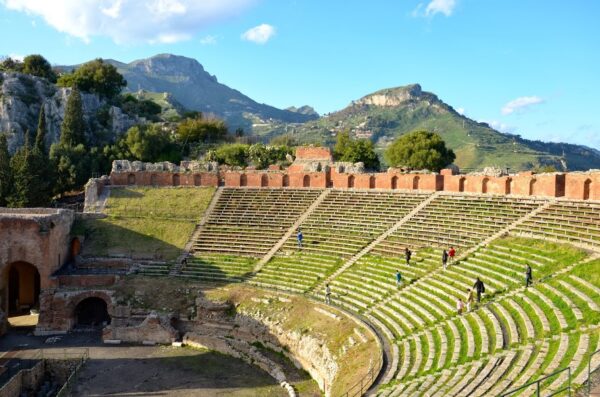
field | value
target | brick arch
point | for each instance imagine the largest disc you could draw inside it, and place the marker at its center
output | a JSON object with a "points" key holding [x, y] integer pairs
{"points": [[415, 182], [587, 188], [532, 184], [484, 185], [508, 188], [28, 283], [264, 180], [306, 181], [176, 180], [75, 300], [131, 179], [243, 180], [394, 183], [461, 184], [286, 181], [154, 180], [351, 180], [197, 180], [372, 182]]}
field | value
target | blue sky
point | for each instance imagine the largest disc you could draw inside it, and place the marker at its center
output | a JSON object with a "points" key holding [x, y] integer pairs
{"points": [[526, 67]]}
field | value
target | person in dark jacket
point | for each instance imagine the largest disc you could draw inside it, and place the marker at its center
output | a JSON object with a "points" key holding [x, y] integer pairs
{"points": [[479, 288], [407, 255], [528, 276], [444, 259]]}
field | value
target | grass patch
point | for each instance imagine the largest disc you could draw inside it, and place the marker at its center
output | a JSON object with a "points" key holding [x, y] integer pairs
{"points": [[145, 222]]}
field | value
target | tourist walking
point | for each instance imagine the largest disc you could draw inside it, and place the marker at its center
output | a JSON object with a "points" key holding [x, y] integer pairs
{"points": [[469, 299], [398, 277], [444, 259], [451, 254], [300, 237], [407, 255], [528, 276], [460, 306], [479, 289], [327, 294]]}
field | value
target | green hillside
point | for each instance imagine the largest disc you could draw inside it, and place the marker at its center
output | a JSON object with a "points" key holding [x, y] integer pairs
{"points": [[384, 115]]}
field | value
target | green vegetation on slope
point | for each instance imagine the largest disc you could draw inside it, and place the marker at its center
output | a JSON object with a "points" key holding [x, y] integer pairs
{"points": [[145, 222]]}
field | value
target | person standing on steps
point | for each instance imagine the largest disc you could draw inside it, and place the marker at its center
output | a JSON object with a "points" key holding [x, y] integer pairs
{"points": [[479, 289], [469, 299], [327, 294], [444, 259], [398, 277], [451, 254], [460, 306], [300, 237], [407, 255], [528, 276]]}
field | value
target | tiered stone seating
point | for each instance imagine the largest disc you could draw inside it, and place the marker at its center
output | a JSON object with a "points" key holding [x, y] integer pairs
{"points": [[572, 221], [343, 224], [217, 268], [457, 220], [248, 222], [154, 269]]}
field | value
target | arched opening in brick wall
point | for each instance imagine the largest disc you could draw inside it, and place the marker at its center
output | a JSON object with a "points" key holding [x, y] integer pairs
{"points": [[351, 181], [587, 187], [154, 180], [92, 312], [75, 247], [243, 180], [532, 184], [306, 181], [372, 182], [509, 186], [176, 180], [286, 181], [394, 182], [23, 289], [131, 179], [264, 180], [197, 180], [415, 183], [461, 184], [484, 185]]}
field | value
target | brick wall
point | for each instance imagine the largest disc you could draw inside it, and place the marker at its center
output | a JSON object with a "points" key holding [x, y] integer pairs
{"points": [[148, 178]]}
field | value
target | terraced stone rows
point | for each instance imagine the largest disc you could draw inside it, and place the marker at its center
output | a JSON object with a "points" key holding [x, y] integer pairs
{"points": [[218, 268], [572, 221], [248, 222]]}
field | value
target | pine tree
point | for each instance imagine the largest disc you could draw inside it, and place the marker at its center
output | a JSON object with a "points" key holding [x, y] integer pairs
{"points": [[23, 194], [73, 125], [40, 137], [5, 172]]}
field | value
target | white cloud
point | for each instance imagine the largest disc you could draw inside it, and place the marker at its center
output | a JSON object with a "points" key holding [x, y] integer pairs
{"points": [[521, 104], [208, 40], [130, 21], [259, 34], [445, 7], [500, 126]]}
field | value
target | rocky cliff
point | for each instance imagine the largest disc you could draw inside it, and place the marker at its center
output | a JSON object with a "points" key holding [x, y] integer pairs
{"points": [[22, 96]]}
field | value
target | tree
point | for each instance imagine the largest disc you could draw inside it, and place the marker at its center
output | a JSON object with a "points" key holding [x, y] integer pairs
{"points": [[197, 129], [37, 65], [40, 136], [95, 77], [419, 150], [150, 143], [262, 156], [235, 154], [23, 193], [5, 172], [11, 65], [73, 126], [284, 140], [72, 167], [354, 151]]}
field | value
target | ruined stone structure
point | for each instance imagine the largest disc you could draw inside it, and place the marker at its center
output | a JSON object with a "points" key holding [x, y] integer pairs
{"points": [[314, 167], [34, 243]]}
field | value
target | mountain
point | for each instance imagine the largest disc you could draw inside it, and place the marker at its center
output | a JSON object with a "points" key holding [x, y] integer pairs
{"points": [[386, 114], [187, 81]]}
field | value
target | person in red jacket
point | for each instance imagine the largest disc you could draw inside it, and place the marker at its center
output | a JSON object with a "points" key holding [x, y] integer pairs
{"points": [[451, 254]]}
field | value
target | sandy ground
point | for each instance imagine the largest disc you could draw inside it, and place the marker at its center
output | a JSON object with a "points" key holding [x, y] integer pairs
{"points": [[29, 320]]}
